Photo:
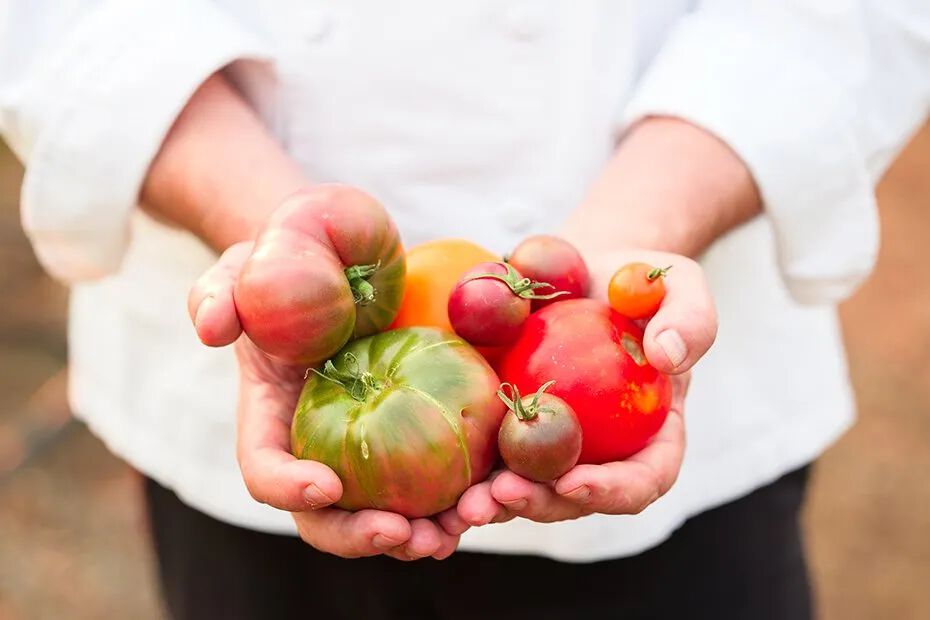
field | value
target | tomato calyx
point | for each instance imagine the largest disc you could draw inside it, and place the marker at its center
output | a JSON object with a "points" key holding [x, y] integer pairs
{"points": [[520, 286], [657, 272], [358, 384], [363, 291], [515, 403]]}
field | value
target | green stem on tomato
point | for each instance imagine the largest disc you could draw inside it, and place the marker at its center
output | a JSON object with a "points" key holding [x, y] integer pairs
{"points": [[657, 272], [363, 292], [358, 384], [515, 403], [521, 287]]}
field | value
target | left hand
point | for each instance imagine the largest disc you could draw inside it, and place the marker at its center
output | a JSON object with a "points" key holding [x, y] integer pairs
{"points": [[675, 338]]}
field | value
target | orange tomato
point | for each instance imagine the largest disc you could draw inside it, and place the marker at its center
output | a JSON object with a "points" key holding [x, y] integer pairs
{"points": [[433, 269], [637, 289]]}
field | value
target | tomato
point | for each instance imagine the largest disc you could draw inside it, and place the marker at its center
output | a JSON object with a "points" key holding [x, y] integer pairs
{"points": [[636, 291], [546, 258], [328, 266], [485, 307], [433, 269], [596, 359], [407, 419], [541, 440]]}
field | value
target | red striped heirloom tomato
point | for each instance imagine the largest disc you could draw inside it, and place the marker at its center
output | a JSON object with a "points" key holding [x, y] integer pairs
{"points": [[408, 420], [328, 266]]}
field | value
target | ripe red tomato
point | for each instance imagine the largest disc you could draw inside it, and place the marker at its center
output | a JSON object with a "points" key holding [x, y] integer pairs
{"points": [[596, 358], [407, 418], [328, 266], [637, 289], [550, 259]]}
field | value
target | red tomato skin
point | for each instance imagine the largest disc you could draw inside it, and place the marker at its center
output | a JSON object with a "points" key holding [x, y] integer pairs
{"points": [[579, 343], [551, 259], [485, 311]]}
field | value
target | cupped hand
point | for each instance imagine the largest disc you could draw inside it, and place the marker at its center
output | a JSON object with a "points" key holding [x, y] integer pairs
{"points": [[677, 336], [268, 393]]}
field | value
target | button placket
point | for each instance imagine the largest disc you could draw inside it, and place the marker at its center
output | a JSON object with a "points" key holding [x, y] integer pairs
{"points": [[315, 26], [524, 22]]}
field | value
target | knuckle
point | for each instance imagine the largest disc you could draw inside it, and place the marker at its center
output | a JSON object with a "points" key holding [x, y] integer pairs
{"points": [[256, 494], [304, 534], [252, 485]]}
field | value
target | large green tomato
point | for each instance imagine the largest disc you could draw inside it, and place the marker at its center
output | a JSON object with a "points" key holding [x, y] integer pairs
{"points": [[408, 420]]}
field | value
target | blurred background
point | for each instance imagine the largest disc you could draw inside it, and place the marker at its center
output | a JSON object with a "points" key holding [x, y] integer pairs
{"points": [[72, 533]]}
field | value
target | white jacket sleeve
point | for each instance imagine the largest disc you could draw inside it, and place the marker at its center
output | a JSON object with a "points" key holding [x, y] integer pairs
{"points": [[88, 90], [816, 97]]}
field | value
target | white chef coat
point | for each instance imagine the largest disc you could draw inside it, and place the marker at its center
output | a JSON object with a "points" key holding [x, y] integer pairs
{"points": [[484, 120]]}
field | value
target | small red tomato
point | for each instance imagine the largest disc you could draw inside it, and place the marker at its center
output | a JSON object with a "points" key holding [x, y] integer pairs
{"points": [[637, 289], [546, 258], [541, 440], [490, 303]]}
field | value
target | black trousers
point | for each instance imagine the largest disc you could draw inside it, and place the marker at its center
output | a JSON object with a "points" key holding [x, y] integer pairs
{"points": [[741, 560]]}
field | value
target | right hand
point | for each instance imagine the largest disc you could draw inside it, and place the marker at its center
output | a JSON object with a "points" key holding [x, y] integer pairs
{"points": [[268, 392]]}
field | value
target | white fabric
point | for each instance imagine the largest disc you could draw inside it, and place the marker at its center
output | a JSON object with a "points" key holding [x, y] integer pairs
{"points": [[484, 120]]}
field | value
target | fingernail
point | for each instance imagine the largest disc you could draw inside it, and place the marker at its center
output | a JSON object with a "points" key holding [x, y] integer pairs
{"points": [[516, 505], [384, 543], [674, 347], [203, 309], [315, 497], [578, 494]]}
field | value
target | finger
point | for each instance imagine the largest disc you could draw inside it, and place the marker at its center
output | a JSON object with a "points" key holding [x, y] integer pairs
{"points": [[532, 500], [685, 326], [449, 544], [680, 385], [271, 473], [353, 534], [477, 507], [210, 301], [452, 523], [628, 487], [425, 539]]}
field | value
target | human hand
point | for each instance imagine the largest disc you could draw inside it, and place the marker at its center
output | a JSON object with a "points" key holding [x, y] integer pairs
{"points": [[268, 393], [675, 338]]}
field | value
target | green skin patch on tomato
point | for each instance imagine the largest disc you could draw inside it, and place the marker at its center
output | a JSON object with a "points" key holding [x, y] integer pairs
{"points": [[595, 357], [407, 419]]}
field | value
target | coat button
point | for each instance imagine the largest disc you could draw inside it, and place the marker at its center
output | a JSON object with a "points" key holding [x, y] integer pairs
{"points": [[316, 26], [517, 216], [524, 22]]}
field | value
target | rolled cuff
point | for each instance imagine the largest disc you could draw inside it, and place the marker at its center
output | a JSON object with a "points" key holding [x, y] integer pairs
{"points": [[794, 129], [122, 78]]}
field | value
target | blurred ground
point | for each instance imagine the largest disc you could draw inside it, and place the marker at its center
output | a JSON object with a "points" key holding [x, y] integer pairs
{"points": [[73, 535]]}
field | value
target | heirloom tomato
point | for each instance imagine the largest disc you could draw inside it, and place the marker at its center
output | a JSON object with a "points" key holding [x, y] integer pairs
{"points": [[327, 267], [408, 420], [540, 437]]}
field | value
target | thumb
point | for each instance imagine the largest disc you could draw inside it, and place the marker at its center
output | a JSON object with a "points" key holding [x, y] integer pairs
{"points": [[685, 326], [210, 301]]}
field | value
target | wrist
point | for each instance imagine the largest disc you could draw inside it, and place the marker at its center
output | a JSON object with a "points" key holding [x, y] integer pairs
{"points": [[219, 173], [669, 186]]}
